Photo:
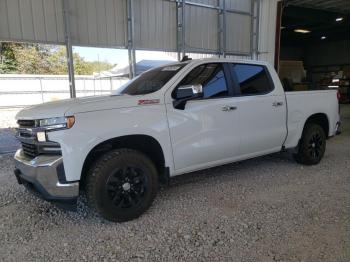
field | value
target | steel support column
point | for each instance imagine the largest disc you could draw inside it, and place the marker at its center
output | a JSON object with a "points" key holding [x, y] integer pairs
{"points": [[278, 35], [254, 29], [222, 27], [257, 30], [69, 49], [178, 30], [180, 19], [220, 30], [183, 32], [224, 21], [131, 47]]}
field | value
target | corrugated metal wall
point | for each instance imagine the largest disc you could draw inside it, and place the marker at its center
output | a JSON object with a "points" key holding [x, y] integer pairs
{"points": [[31, 20], [201, 28], [154, 25], [238, 39], [103, 23], [98, 23], [92, 22]]}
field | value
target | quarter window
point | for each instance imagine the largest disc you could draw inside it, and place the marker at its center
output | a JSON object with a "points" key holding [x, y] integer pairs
{"points": [[252, 79], [211, 77]]}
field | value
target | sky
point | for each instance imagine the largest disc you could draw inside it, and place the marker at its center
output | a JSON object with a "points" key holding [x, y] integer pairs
{"points": [[113, 56], [117, 56]]}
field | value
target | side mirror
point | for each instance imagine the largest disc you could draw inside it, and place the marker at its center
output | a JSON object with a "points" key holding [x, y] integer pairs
{"points": [[185, 93]]}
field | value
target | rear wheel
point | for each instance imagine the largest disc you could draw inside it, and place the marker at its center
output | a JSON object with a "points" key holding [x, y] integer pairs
{"points": [[122, 185], [312, 145]]}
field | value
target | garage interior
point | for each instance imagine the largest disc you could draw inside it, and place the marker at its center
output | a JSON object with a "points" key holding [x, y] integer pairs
{"points": [[314, 46]]}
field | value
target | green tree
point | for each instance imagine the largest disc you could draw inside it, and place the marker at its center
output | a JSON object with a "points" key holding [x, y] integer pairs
{"points": [[98, 66], [32, 59], [44, 59], [81, 67], [58, 61], [8, 63]]}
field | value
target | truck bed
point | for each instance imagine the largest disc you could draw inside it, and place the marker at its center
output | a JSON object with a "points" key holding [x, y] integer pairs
{"points": [[301, 104]]}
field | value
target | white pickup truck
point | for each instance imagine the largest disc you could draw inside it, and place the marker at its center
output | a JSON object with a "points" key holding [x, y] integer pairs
{"points": [[166, 122]]}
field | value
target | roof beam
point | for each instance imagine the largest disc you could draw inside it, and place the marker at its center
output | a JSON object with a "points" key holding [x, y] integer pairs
{"points": [[339, 6]]}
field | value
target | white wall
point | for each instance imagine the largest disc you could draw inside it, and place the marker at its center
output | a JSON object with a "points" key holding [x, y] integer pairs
{"points": [[23, 90], [267, 30]]}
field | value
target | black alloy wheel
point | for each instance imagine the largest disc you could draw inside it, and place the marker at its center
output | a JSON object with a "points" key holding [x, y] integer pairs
{"points": [[315, 145], [312, 145], [126, 187], [122, 184]]}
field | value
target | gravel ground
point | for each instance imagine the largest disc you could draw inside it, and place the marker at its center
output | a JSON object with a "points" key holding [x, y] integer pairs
{"points": [[266, 209], [7, 117], [8, 142]]}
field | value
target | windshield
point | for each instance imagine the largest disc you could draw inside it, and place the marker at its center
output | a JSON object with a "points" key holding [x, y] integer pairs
{"points": [[150, 81]]}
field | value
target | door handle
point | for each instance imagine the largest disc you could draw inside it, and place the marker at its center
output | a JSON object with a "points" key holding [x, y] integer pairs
{"points": [[228, 108], [276, 104]]}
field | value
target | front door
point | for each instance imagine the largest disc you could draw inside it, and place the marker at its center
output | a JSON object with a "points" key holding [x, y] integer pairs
{"points": [[206, 132]]}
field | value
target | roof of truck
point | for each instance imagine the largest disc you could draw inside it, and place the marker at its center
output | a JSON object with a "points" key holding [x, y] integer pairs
{"points": [[229, 60], [222, 60]]}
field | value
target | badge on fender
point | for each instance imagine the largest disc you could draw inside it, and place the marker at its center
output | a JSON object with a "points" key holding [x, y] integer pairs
{"points": [[148, 101]]}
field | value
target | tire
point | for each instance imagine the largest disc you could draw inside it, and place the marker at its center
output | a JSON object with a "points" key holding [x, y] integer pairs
{"points": [[312, 145], [122, 185]]}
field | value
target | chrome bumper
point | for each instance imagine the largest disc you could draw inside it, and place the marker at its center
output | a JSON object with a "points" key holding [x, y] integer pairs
{"points": [[43, 174]]}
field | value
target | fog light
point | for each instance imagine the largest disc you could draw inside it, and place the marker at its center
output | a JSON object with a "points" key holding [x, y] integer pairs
{"points": [[41, 136]]}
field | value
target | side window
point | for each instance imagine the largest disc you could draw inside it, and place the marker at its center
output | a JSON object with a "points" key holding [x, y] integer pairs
{"points": [[252, 79], [211, 77]]}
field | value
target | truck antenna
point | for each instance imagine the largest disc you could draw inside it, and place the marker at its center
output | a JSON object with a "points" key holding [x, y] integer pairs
{"points": [[185, 58]]}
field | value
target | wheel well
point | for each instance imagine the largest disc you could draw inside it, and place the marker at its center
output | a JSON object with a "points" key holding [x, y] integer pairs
{"points": [[320, 119], [143, 143]]}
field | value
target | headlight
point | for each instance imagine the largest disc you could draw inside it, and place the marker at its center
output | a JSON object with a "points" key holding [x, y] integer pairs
{"points": [[57, 122]]}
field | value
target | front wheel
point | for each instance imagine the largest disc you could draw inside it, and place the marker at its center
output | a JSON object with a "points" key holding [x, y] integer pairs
{"points": [[312, 145], [122, 185]]}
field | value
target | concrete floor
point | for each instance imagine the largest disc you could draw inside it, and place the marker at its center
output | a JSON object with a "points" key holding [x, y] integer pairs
{"points": [[345, 118]]}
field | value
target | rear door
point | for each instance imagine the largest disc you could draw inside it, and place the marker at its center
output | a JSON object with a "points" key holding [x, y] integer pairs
{"points": [[261, 108]]}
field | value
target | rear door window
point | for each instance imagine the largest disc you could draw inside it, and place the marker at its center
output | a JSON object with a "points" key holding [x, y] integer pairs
{"points": [[251, 79]]}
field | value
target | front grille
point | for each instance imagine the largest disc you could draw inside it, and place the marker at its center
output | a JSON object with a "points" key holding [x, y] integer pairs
{"points": [[30, 150], [31, 147], [26, 123], [24, 133], [34, 150]]}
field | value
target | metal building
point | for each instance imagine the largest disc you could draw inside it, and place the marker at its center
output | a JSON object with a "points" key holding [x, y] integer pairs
{"points": [[244, 28]]}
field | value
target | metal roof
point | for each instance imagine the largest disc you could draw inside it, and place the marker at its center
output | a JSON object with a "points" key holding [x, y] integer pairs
{"points": [[338, 6]]}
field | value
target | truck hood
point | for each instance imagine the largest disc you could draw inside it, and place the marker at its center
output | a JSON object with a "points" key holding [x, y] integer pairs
{"points": [[73, 106]]}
